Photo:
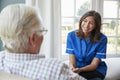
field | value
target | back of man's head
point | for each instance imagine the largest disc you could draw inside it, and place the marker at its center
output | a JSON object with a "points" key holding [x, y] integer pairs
{"points": [[17, 22]]}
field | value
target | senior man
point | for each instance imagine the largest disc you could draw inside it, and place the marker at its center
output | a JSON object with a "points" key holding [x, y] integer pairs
{"points": [[22, 34]]}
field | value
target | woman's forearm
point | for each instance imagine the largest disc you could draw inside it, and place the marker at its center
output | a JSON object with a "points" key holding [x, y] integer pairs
{"points": [[92, 66], [72, 60]]}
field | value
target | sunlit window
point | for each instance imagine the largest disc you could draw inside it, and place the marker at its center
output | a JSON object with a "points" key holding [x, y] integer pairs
{"points": [[71, 11], [111, 25]]}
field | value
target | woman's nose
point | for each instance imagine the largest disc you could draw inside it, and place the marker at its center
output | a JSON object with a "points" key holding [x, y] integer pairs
{"points": [[86, 24]]}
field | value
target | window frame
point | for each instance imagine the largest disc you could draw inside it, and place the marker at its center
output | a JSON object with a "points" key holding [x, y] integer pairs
{"points": [[98, 6], [116, 32]]}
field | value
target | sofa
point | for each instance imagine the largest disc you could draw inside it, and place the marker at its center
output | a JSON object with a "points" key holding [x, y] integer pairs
{"points": [[113, 72]]}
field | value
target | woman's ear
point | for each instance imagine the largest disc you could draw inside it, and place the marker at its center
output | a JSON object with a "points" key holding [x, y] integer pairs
{"points": [[32, 39]]}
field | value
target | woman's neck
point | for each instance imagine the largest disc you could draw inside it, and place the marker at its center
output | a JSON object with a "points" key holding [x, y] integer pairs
{"points": [[86, 36]]}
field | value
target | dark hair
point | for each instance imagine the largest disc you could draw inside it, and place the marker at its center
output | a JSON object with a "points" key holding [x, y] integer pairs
{"points": [[95, 35]]}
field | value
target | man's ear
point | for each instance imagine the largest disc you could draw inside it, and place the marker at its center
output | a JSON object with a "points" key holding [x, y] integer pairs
{"points": [[32, 39]]}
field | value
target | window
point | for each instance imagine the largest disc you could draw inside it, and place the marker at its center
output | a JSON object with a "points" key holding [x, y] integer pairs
{"points": [[111, 25], [72, 10], [70, 15]]}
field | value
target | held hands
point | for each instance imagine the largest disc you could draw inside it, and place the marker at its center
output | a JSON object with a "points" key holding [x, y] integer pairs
{"points": [[77, 70], [74, 69]]}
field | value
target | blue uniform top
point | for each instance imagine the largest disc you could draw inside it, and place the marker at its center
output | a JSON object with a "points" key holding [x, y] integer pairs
{"points": [[84, 51]]}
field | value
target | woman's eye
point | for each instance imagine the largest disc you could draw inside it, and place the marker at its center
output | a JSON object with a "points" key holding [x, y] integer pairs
{"points": [[84, 20], [91, 23]]}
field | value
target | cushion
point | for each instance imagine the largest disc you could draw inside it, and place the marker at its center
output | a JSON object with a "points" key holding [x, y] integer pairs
{"points": [[113, 72]]}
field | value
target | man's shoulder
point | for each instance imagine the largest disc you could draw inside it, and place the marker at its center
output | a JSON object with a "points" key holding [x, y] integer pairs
{"points": [[53, 61], [2, 54], [51, 68], [2, 57], [3, 51], [53, 64]]}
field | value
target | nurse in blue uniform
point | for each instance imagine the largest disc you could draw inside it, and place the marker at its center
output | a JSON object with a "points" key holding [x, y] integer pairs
{"points": [[87, 47]]}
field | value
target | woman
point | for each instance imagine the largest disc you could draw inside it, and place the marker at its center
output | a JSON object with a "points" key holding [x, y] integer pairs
{"points": [[87, 46]]}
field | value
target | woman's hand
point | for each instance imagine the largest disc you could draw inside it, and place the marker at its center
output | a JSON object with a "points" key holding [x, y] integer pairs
{"points": [[77, 70], [72, 67], [91, 67]]}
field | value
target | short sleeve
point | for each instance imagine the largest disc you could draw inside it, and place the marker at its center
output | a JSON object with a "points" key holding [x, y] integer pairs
{"points": [[101, 48], [69, 48]]}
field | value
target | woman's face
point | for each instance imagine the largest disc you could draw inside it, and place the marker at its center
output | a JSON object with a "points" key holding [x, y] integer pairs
{"points": [[88, 25]]}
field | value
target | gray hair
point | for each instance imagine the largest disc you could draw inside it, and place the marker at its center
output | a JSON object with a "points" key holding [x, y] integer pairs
{"points": [[17, 22]]}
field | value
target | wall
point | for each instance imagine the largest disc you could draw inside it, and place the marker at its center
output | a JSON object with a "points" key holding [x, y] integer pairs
{"points": [[4, 3]]}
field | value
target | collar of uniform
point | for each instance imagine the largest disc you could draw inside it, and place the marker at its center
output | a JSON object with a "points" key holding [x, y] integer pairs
{"points": [[20, 57]]}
